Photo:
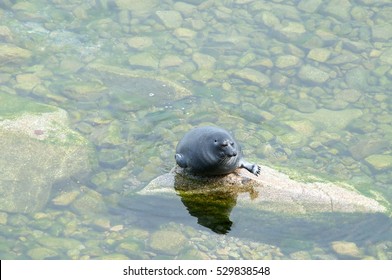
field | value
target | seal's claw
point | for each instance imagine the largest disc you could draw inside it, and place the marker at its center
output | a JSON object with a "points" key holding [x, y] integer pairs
{"points": [[256, 170]]}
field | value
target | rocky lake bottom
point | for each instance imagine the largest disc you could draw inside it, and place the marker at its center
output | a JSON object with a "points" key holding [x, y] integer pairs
{"points": [[95, 95]]}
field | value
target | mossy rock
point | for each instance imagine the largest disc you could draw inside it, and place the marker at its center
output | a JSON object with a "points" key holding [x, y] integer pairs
{"points": [[38, 149]]}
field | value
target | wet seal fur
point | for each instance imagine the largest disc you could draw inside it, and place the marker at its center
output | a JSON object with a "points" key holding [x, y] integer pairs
{"points": [[210, 151]]}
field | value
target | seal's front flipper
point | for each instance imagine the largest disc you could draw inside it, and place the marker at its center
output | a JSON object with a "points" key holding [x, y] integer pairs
{"points": [[252, 168], [180, 160]]}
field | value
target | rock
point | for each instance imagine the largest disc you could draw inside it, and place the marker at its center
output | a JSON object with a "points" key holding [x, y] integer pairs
{"points": [[65, 198], [204, 61], [382, 31], [319, 54], [379, 162], [292, 30], [137, 7], [27, 82], [170, 19], [3, 218], [312, 74], [346, 249], [167, 241], [12, 53], [42, 253], [170, 60], [271, 191], [90, 203], [5, 33], [333, 120], [357, 77], [139, 42], [59, 243], [367, 147], [287, 61], [253, 76], [112, 158], [184, 33], [144, 60], [339, 9], [309, 6], [38, 149], [386, 56]]}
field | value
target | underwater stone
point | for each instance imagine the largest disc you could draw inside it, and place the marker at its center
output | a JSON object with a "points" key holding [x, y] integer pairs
{"points": [[65, 198], [204, 61], [167, 241], [170, 19], [137, 7], [339, 9], [319, 54], [309, 6], [3, 218], [346, 249], [90, 203], [145, 59], [170, 60], [386, 56], [41, 253], [111, 158], [380, 162], [184, 33], [139, 42], [333, 120], [312, 74], [12, 53], [253, 76], [287, 61], [382, 31], [38, 149]]}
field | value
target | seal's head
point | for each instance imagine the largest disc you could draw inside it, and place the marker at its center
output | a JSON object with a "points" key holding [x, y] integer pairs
{"points": [[223, 145]]}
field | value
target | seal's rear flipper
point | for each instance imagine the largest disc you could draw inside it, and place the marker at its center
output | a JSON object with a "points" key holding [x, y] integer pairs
{"points": [[180, 160]]}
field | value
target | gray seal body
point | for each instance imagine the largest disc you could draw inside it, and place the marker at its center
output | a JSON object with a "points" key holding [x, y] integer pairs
{"points": [[210, 151]]}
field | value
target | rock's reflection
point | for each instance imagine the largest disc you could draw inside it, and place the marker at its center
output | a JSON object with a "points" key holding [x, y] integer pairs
{"points": [[211, 203]]}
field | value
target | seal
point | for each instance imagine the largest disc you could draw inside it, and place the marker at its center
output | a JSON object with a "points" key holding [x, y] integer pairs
{"points": [[210, 150]]}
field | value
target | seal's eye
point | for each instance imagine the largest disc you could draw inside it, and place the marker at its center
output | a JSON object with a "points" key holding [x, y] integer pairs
{"points": [[224, 144], [215, 140]]}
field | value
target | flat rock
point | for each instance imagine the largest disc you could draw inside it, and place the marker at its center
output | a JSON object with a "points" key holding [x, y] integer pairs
{"points": [[12, 53], [271, 191], [253, 76], [37, 149]]}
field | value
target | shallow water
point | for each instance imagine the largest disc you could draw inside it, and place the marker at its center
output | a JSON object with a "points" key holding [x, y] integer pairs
{"points": [[304, 85]]}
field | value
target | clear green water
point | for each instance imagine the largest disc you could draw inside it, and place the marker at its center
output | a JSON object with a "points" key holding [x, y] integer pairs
{"points": [[304, 85]]}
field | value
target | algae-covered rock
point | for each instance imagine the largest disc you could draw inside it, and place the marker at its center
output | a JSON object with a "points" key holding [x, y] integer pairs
{"points": [[312, 74], [346, 249], [379, 162], [253, 76], [41, 253], [167, 241], [271, 191], [38, 149], [11, 53]]}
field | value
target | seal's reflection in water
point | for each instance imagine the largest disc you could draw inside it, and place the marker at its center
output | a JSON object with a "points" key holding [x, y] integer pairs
{"points": [[210, 204]]}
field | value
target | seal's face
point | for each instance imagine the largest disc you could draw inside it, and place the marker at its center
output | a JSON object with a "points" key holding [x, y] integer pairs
{"points": [[224, 146]]}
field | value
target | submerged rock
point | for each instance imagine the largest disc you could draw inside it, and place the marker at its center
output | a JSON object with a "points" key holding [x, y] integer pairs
{"points": [[271, 191], [37, 149]]}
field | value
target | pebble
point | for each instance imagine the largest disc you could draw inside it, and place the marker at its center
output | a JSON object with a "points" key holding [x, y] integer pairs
{"points": [[312, 74], [167, 242], [346, 249], [254, 76], [170, 19]]}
